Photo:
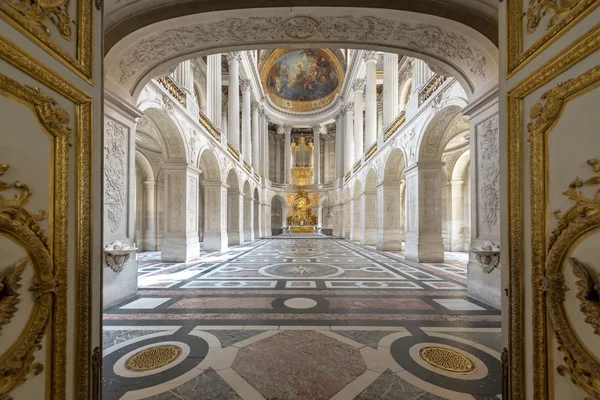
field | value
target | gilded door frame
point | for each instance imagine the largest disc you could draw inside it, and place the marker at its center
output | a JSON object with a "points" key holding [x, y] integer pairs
{"points": [[577, 51], [18, 58]]}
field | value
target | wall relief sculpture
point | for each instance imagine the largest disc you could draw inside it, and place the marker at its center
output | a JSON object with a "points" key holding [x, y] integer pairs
{"points": [[176, 196], [191, 204], [22, 227], [412, 203], [115, 174], [489, 173], [581, 219]]}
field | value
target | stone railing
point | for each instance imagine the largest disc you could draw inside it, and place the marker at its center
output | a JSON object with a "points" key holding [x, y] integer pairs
{"points": [[205, 122], [371, 151], [247, 166], [434, 83], [397, 123], [357, 166], [173, 89], [233, 152]]}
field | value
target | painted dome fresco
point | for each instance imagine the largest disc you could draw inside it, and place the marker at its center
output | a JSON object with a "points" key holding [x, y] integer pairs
{"points": [[302, 79]]}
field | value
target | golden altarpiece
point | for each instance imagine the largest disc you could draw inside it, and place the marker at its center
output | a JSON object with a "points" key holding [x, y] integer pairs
{"points": [[303, 205]]}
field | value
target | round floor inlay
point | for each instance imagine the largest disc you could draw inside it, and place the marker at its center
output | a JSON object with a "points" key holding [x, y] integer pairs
{"points": [[300, 303], [448, 360], [153, 358], [301, 270]]}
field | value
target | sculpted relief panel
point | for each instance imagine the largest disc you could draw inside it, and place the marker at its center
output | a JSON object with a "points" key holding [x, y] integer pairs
{"points": [[488, 180], [192, 202], [412, 203], [116, 152], [176, 202]]}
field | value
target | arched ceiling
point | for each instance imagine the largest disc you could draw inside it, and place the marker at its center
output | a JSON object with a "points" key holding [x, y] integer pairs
{"points": [[123, 17], [302, 79]]}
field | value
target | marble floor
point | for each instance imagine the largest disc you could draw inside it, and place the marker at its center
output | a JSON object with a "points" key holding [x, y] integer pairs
{"points": [[301, 319]]}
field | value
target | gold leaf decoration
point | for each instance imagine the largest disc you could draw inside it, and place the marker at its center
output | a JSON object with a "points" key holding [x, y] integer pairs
{"points": [[580, 219], [38, 11], [538, 9], [9, 295], [587, 294], [22, 226]]}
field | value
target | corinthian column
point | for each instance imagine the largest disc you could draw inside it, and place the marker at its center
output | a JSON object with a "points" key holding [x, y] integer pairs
{"points": [[390, 88], [358, 88], [317, 130], [184, 77], [246, 85], [214, 90], [255, 136], [233, 124], [348, 137], [421, 74], [339, 142], [370, 58], [287, 130]]}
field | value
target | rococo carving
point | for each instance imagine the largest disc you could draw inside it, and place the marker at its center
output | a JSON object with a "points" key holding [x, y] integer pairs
{"points": [[38, 11], [22, 227], [582, 218]]}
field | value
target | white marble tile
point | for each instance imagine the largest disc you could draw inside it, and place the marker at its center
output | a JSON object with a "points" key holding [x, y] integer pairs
{"points": [[458, 305], [355, 387], [146, 303], [304, 328], [255, 339], [368, 328], [343, 339], [239, 385]]}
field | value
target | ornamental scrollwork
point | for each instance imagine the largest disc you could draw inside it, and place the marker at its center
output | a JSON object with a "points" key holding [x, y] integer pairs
{"points": [[21, 226], [580, 219], [38, 11], [538, 9]]}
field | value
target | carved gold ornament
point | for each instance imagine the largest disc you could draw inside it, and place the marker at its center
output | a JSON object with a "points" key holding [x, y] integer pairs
{"points": [[538, 9], [579, 220], [153, 358], [39, 11], [447, 359], [21, 226]]}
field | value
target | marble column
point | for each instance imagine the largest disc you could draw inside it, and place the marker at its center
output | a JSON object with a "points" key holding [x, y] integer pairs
{"points": [[246, 87], [421, 74], [266, 212], [390, 88], [340, 141], [255, 137], [215, 216], [368, 215], [317, 129], [338, 220], [287, 147], [259, 229], [424, 232], [264, 129], [235, 216], [181, 242], [184, 77], [233, 123], [389, 235], [214, 90], [248, 218], [349, 138], [358, 88], [327, 173], [279, 166], [149, 215], [380, 120], [224, 120], [347, 229], [370, 58], [457, 215]]}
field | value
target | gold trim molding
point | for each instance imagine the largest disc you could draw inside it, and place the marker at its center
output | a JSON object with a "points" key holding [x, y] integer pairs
{"points": [[583, 47], [54, 123], [565, 14], [575, 223], [31, 18]]}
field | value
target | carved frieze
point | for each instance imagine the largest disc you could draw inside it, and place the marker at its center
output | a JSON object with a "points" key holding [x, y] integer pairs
{"points": [[488, 175]]}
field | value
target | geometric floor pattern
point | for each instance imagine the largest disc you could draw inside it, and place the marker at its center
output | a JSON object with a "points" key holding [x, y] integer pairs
{"points": [[301, 319]]}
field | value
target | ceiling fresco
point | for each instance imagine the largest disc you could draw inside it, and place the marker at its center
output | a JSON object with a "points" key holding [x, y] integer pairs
{"points": [[302, 80]]}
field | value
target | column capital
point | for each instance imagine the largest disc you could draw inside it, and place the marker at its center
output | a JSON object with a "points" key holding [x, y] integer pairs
{"points": [[287, 129], [380, 106], [358, 85], [318, 128], [234, 56], [255, 106], [349, 107], [342, 113], [370, 56], [245, 85]]}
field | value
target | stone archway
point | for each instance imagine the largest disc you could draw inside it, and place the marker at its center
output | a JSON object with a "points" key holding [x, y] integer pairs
{"points": [[390, 233], [214, 195]]}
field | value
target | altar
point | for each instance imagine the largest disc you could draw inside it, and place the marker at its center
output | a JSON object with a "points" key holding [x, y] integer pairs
{"points": [[303, 229]]}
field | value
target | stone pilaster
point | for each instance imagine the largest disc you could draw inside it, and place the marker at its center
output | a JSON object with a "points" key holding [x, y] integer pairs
{"points": [[421, 74], [358, 88], [255, 137], [368, 215], [248, 218], [355, 219], [214, 89], [349, 139], [424, 232], [246, 87], [233, 123], [184, 77], [340, 150], [215, 216], [317, 129], [370, 58], [380, 121], [235, 217], [389, 235], [390, 88], [327, 173], [149, 216], [181, 242], [338, 220], [287, 147]]}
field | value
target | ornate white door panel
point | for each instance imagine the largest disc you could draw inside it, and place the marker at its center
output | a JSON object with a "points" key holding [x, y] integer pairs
{"points": [[50, 120], [550, 193]]}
